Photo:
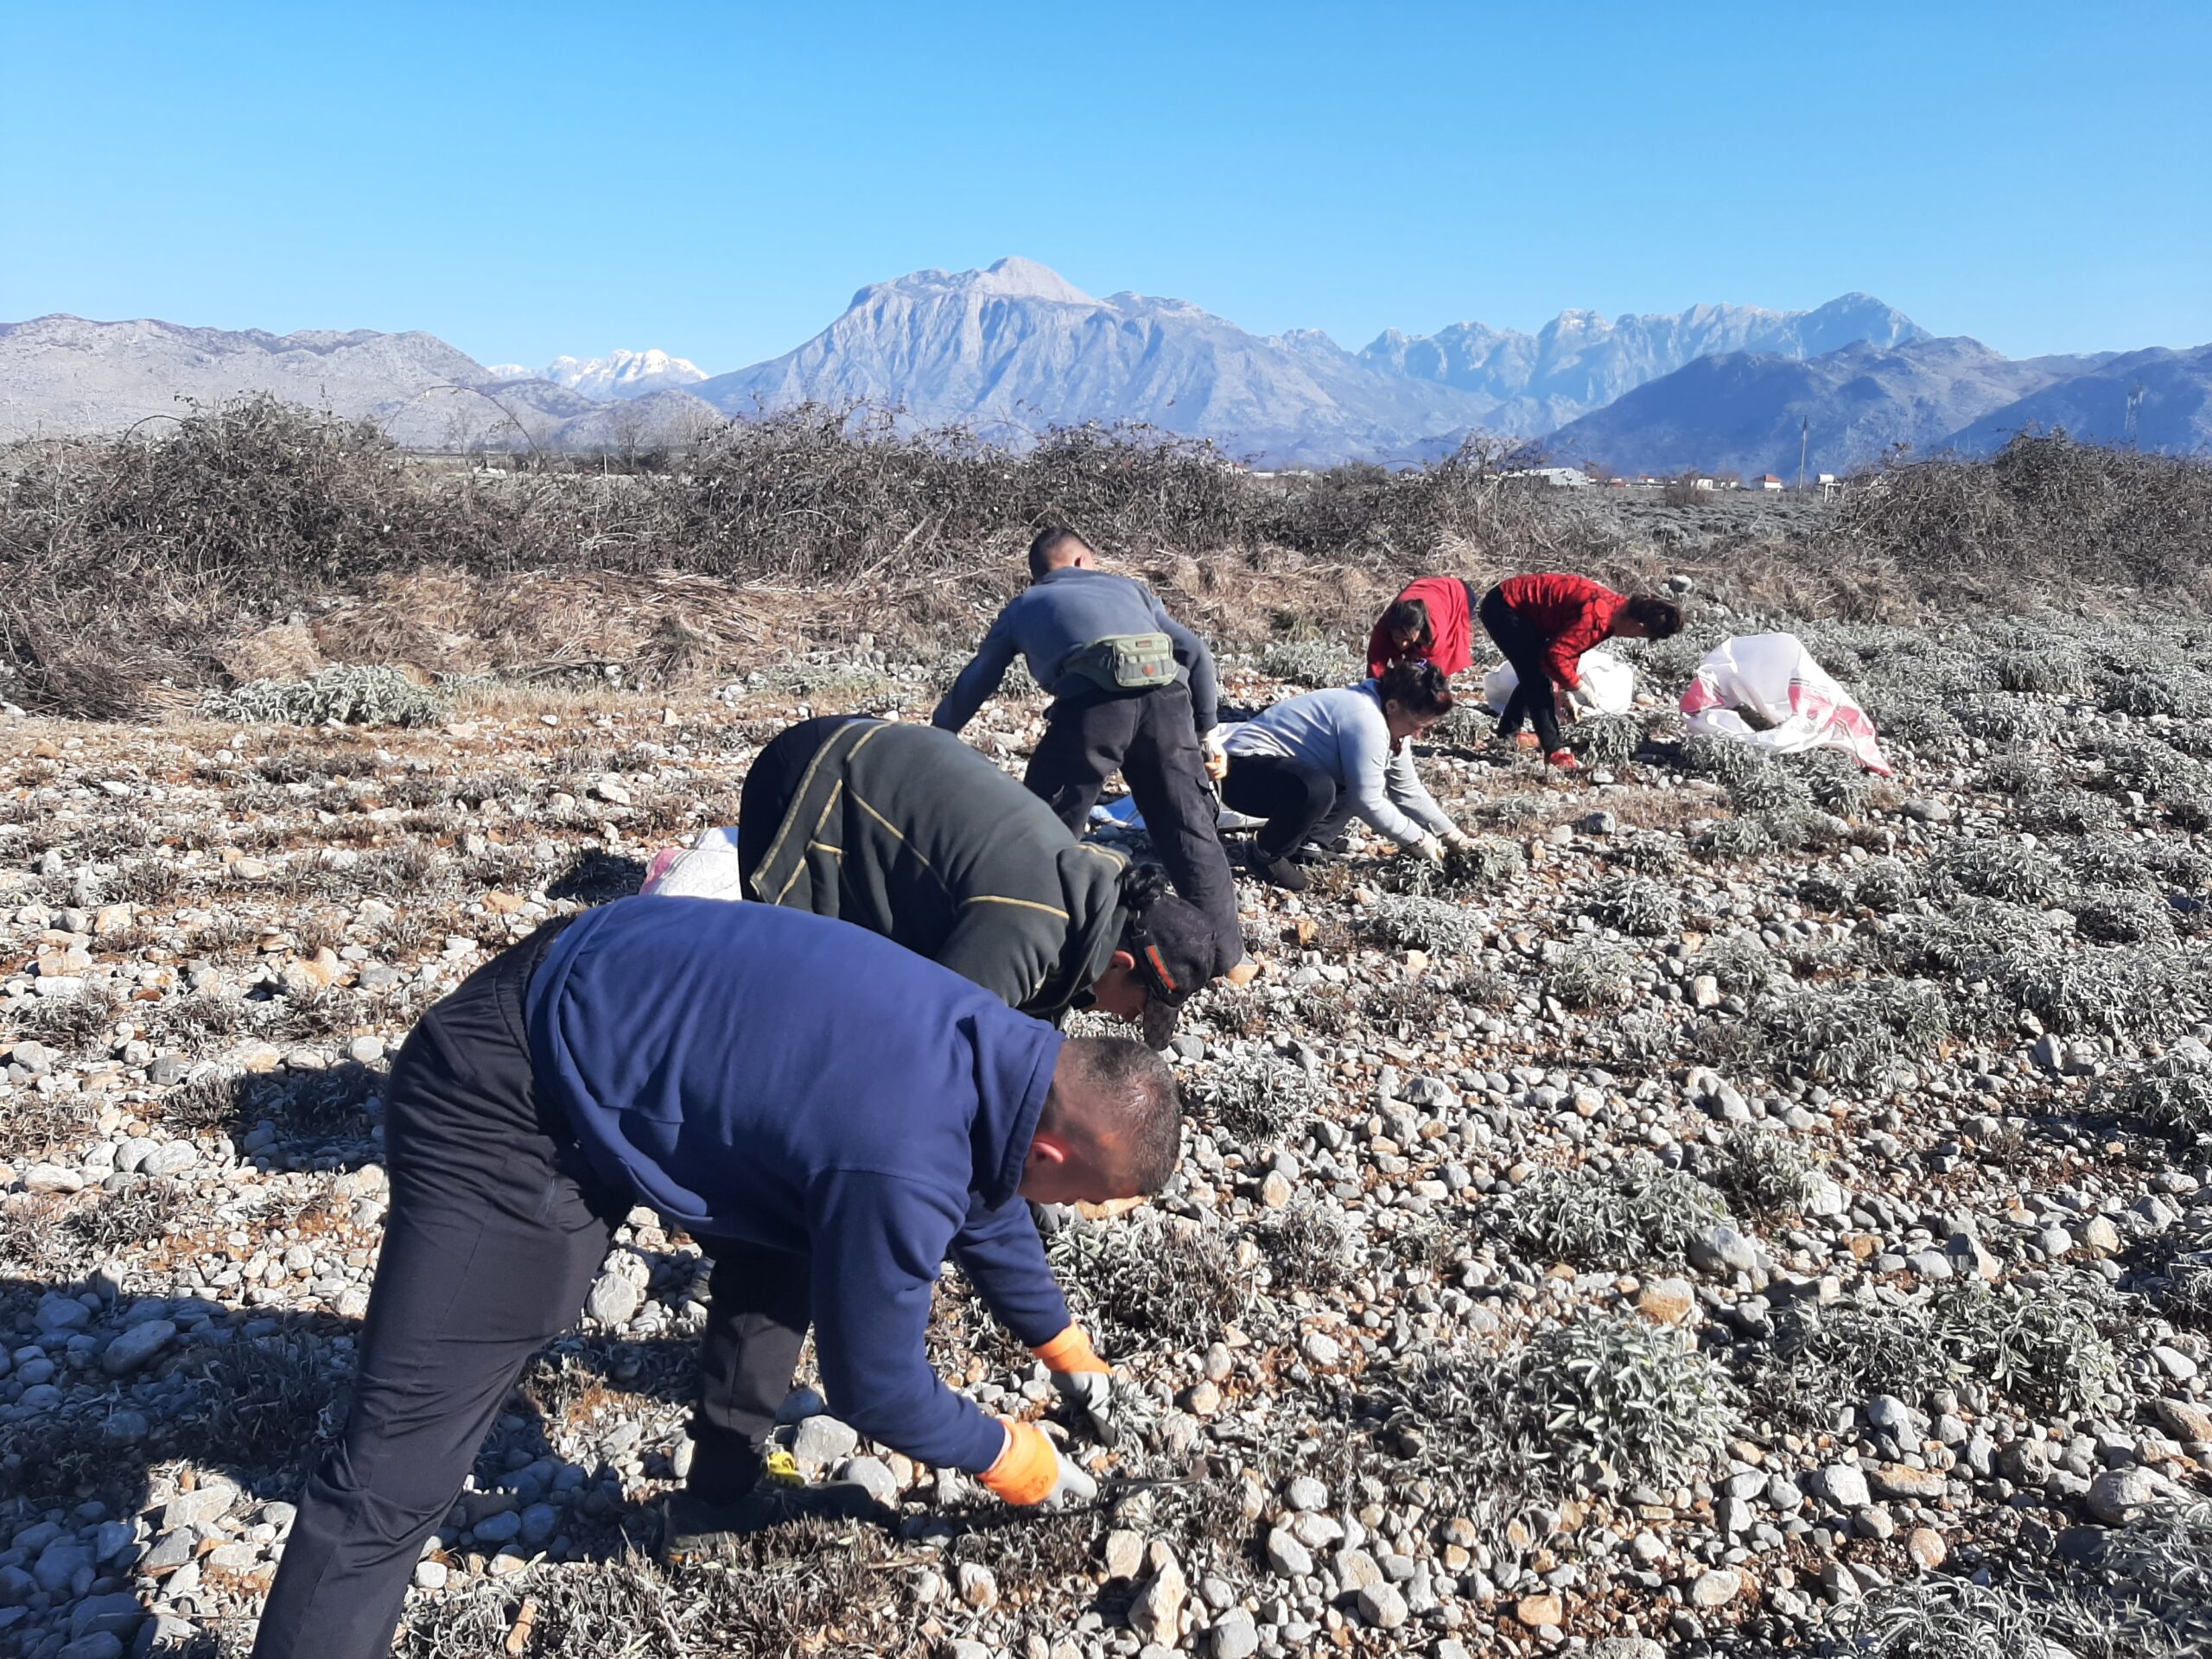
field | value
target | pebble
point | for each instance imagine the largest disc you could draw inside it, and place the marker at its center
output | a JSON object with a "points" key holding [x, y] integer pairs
{"points": [[1124, 1553], [1540, 1611], [873, 1476], [1716, 1588], [821, 1441], [1383, 1607], [2177, 1366], [979, 1587], [1902, 1480], [1156, 1615], [2120, 1496], [1843, 1484], [1667, 1301], [613, 1299], [2184, 1419], [1287, 1557], [136, 1346], [1233, 1635]]}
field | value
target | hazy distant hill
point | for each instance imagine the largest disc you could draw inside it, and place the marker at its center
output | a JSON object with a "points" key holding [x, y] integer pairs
{"points": [[1579, 361], [61, 375], [1743, 412], [2174, 415]]}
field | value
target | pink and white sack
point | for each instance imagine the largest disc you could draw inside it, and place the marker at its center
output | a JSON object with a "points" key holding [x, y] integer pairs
{"points": [[1774, 677]]}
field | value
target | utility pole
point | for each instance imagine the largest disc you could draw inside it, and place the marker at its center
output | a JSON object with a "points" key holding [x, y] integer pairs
{"points": [[1804, 442], [2134, 412]]}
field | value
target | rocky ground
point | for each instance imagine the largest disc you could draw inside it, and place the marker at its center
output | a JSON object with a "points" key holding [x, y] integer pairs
{"points": [[1747, 1207]]}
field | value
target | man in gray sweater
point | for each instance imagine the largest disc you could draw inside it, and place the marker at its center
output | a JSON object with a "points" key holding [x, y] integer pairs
{"points": [[1133, 689]]}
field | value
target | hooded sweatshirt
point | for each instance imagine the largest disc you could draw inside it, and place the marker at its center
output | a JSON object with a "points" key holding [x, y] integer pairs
{"points": [[805, 1087], [1453, 647], [1057, 614], [909, 833], [1346, 734]]}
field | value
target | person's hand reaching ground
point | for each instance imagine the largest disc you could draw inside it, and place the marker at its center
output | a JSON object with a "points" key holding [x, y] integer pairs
{"points": [[1031, 1471]]}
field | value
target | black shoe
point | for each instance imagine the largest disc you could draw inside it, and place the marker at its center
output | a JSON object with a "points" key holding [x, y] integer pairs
{"points": [[1277, 872], [693, 1530]]}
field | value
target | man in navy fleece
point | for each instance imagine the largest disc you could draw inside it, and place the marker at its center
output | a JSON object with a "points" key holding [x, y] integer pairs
{"points": [[792, 1083]]}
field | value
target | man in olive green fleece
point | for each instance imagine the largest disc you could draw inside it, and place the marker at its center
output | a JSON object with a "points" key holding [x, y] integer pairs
{"points": [[906, 831]]}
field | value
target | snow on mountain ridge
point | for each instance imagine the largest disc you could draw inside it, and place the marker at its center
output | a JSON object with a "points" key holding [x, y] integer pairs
{"points": [[622, 374], [1011, 278]]}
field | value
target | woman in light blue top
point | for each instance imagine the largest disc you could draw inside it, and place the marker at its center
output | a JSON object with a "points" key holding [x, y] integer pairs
{"points": [[1311, 764]]}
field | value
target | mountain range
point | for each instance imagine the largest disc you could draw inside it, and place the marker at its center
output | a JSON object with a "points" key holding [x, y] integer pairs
{"points": [[603, 379], [1014, 348]]}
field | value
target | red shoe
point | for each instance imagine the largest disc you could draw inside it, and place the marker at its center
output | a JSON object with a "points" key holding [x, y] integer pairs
{"points": [[1563, 759], [1526, 739]]}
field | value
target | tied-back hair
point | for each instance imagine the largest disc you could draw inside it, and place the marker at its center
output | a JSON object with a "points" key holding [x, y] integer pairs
{"points": [[1409, 616], [1661, 618], [1124, 1106], [1143, 886], [1044, 552], [1418, 688]]}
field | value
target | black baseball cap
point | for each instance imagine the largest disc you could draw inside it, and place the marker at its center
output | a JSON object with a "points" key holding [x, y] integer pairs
{"points": [[1174, 946]]}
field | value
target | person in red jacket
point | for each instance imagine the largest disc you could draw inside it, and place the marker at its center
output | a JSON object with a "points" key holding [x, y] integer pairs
{"points": [[1543, 623], [1433, 621]]}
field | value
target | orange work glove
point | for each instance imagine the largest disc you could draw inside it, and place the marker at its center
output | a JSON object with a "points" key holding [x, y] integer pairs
{"points": [[1084, 1380], [1029, 1470], [1071, 1351]]}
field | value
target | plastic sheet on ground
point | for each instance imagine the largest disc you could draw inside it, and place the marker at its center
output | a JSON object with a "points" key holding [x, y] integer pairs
{"points": [[1124, 812], [1774, 677], [705, 869], [1608, 685]]}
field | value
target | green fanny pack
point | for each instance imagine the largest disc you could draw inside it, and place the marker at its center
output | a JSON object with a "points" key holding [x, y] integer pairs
{"points": [[1123, 662]]}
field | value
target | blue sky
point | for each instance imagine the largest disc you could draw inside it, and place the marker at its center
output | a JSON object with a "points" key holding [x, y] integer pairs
{"points": [[717, 180]]}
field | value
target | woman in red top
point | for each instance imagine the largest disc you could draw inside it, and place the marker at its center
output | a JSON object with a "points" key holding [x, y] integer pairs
{"points": [[1433, 621], [1543, 623]]}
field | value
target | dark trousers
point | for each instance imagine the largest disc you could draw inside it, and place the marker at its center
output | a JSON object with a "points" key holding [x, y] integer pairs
{"points": [[759, 1306], [497, 1229], [1524, 648], [1148, 736], [495, 1233], [1293, 797], [772, 783]]}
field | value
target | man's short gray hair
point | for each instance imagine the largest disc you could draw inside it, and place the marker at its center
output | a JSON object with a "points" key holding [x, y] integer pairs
{"points": [[1124, 1102]]}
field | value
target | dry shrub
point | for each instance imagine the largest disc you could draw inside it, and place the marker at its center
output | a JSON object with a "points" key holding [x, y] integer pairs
{"points": [[140, 569], [2044, 514]]}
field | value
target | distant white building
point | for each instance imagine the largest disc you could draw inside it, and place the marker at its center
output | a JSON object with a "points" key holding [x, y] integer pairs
{"points": [[1557, 477], [1770, 481], [1702, 482]]}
